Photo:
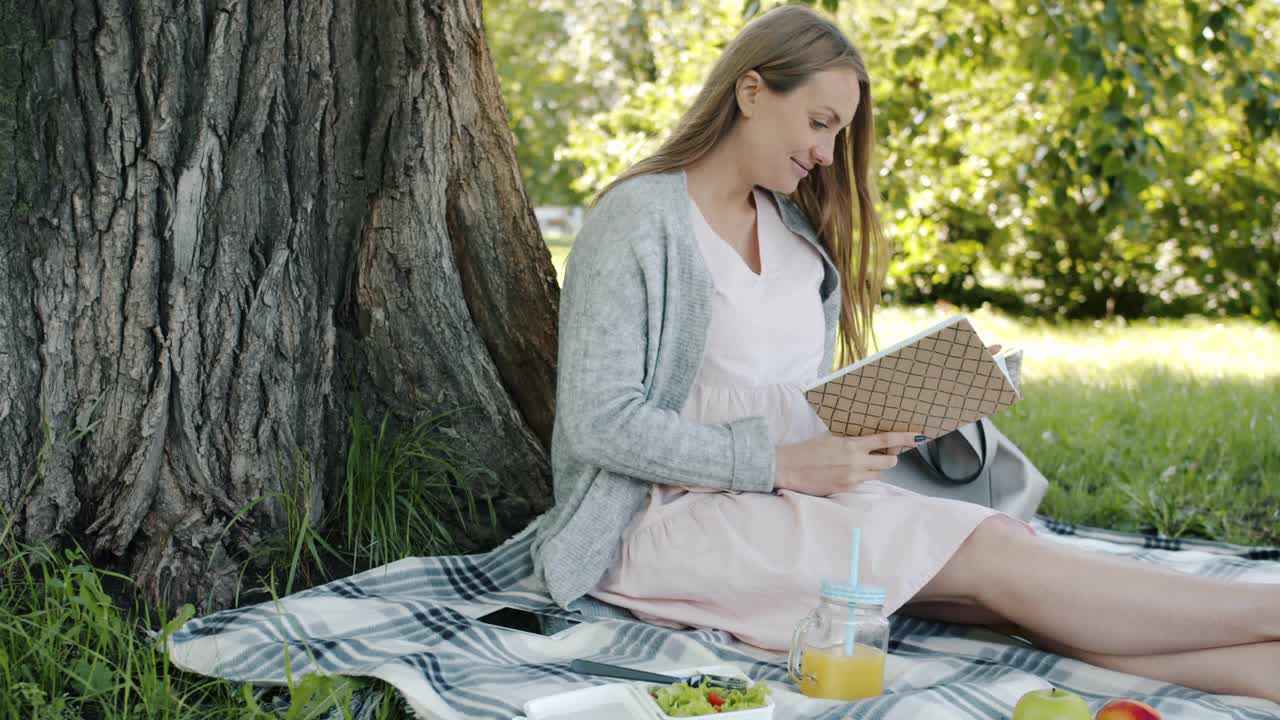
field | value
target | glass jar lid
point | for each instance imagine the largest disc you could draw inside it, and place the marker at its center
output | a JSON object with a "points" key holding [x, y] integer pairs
{"points": [[861, 595]]}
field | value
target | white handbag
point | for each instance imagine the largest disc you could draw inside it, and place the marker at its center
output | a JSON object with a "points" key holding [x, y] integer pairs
{"points": [[975, 463]]}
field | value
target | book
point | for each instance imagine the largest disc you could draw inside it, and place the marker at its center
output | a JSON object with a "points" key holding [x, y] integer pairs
{"points": [[929, 384]]}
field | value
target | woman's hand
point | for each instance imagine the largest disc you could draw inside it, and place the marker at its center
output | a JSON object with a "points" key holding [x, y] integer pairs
{"points": [[830, 464]]}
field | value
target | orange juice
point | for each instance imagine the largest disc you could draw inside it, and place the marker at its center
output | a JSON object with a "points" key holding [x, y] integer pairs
{"points": [[842, 677]]}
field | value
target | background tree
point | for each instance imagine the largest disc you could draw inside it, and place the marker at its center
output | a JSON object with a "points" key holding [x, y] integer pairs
{"points": [[1083, 159], [220, 222], [562, 61], [1077, 159]]}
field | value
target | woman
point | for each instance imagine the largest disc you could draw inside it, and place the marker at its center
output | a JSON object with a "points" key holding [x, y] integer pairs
{"points": [[695, 486]]}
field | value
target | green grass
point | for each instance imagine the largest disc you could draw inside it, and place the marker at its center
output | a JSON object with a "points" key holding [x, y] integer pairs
{"points": [[400, 488], [69, 650], [1171, 425], [404, 492]]}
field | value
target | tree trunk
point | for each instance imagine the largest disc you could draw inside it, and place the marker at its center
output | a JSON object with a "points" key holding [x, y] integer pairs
{"points": [[228, 217]]}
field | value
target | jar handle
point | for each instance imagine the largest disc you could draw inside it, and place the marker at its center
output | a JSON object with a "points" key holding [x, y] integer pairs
{"points": [[797, 649]]}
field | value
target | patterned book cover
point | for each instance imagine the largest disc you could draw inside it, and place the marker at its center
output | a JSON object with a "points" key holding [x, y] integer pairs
{"points": [[929, 384]]}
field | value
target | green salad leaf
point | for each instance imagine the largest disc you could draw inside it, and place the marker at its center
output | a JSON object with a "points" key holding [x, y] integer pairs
{"points": [[680, 700]]}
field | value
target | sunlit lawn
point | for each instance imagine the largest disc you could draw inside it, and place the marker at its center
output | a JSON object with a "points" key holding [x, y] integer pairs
{"points": [[1171, 425]]}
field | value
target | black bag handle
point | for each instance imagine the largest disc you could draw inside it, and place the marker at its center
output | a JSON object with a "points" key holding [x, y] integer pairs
{"points": [[933, 461]]}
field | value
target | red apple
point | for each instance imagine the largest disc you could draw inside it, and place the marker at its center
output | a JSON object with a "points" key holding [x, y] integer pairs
{"points": [[1127, 710]]}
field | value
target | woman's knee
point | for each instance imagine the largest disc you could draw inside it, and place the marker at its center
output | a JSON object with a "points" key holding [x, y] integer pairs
{"points": [[1001, 529], [989, 544], [967, 574]]}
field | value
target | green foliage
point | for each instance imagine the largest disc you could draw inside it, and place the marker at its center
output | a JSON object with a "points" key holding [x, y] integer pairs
{"points": [[1082, 159], [67, 651], [300, 548], [313, 696], [1076, 159], [404, 492], [400, 490], [589, 84], [685, 38], [543, 90], [560, 61]]}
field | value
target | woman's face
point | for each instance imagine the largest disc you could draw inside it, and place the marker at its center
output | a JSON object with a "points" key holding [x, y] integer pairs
{"points": [[787, 135]]}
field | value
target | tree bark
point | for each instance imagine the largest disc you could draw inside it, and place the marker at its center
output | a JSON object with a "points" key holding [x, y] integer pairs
{"points": [[237, 214]]}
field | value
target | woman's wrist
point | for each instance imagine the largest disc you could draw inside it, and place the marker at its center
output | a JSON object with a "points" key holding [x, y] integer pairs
{"points": [[781, 467]]}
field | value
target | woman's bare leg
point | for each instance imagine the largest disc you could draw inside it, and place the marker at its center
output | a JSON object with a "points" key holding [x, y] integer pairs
{"points": [[1252, 670], [1249, 670], [1100, 604]]}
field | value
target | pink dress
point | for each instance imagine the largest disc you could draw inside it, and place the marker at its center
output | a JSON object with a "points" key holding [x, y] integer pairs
{"points": [[752, 563]]}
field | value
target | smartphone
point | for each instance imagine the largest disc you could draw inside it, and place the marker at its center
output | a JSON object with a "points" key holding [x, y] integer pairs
{"points": [[516, 619]]}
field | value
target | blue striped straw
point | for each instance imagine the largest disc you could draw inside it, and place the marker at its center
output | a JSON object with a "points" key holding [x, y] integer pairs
{"points": [[853, 585]]}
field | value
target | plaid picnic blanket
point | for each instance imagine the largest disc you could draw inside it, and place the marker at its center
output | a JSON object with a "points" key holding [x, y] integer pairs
{"points": [[412, 623]]}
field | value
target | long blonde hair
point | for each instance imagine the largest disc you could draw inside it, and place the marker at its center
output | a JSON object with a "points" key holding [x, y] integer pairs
{"points": [[786, 46]]}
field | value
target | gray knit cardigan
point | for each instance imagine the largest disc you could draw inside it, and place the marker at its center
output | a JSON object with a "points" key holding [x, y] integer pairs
{"points": [[634, 313]]}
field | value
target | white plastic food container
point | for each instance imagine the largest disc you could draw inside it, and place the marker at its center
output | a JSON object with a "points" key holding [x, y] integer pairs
{"points": [[631, 701]]}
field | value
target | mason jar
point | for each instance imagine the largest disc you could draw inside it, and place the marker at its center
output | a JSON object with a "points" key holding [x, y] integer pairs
{"points": [[838, 650]]}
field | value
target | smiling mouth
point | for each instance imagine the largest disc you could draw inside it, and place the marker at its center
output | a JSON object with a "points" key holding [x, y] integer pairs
{"points": [[803, 169]]}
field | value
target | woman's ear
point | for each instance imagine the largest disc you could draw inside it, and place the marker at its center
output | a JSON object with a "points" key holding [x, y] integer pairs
{"points": [[748, 90]]}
